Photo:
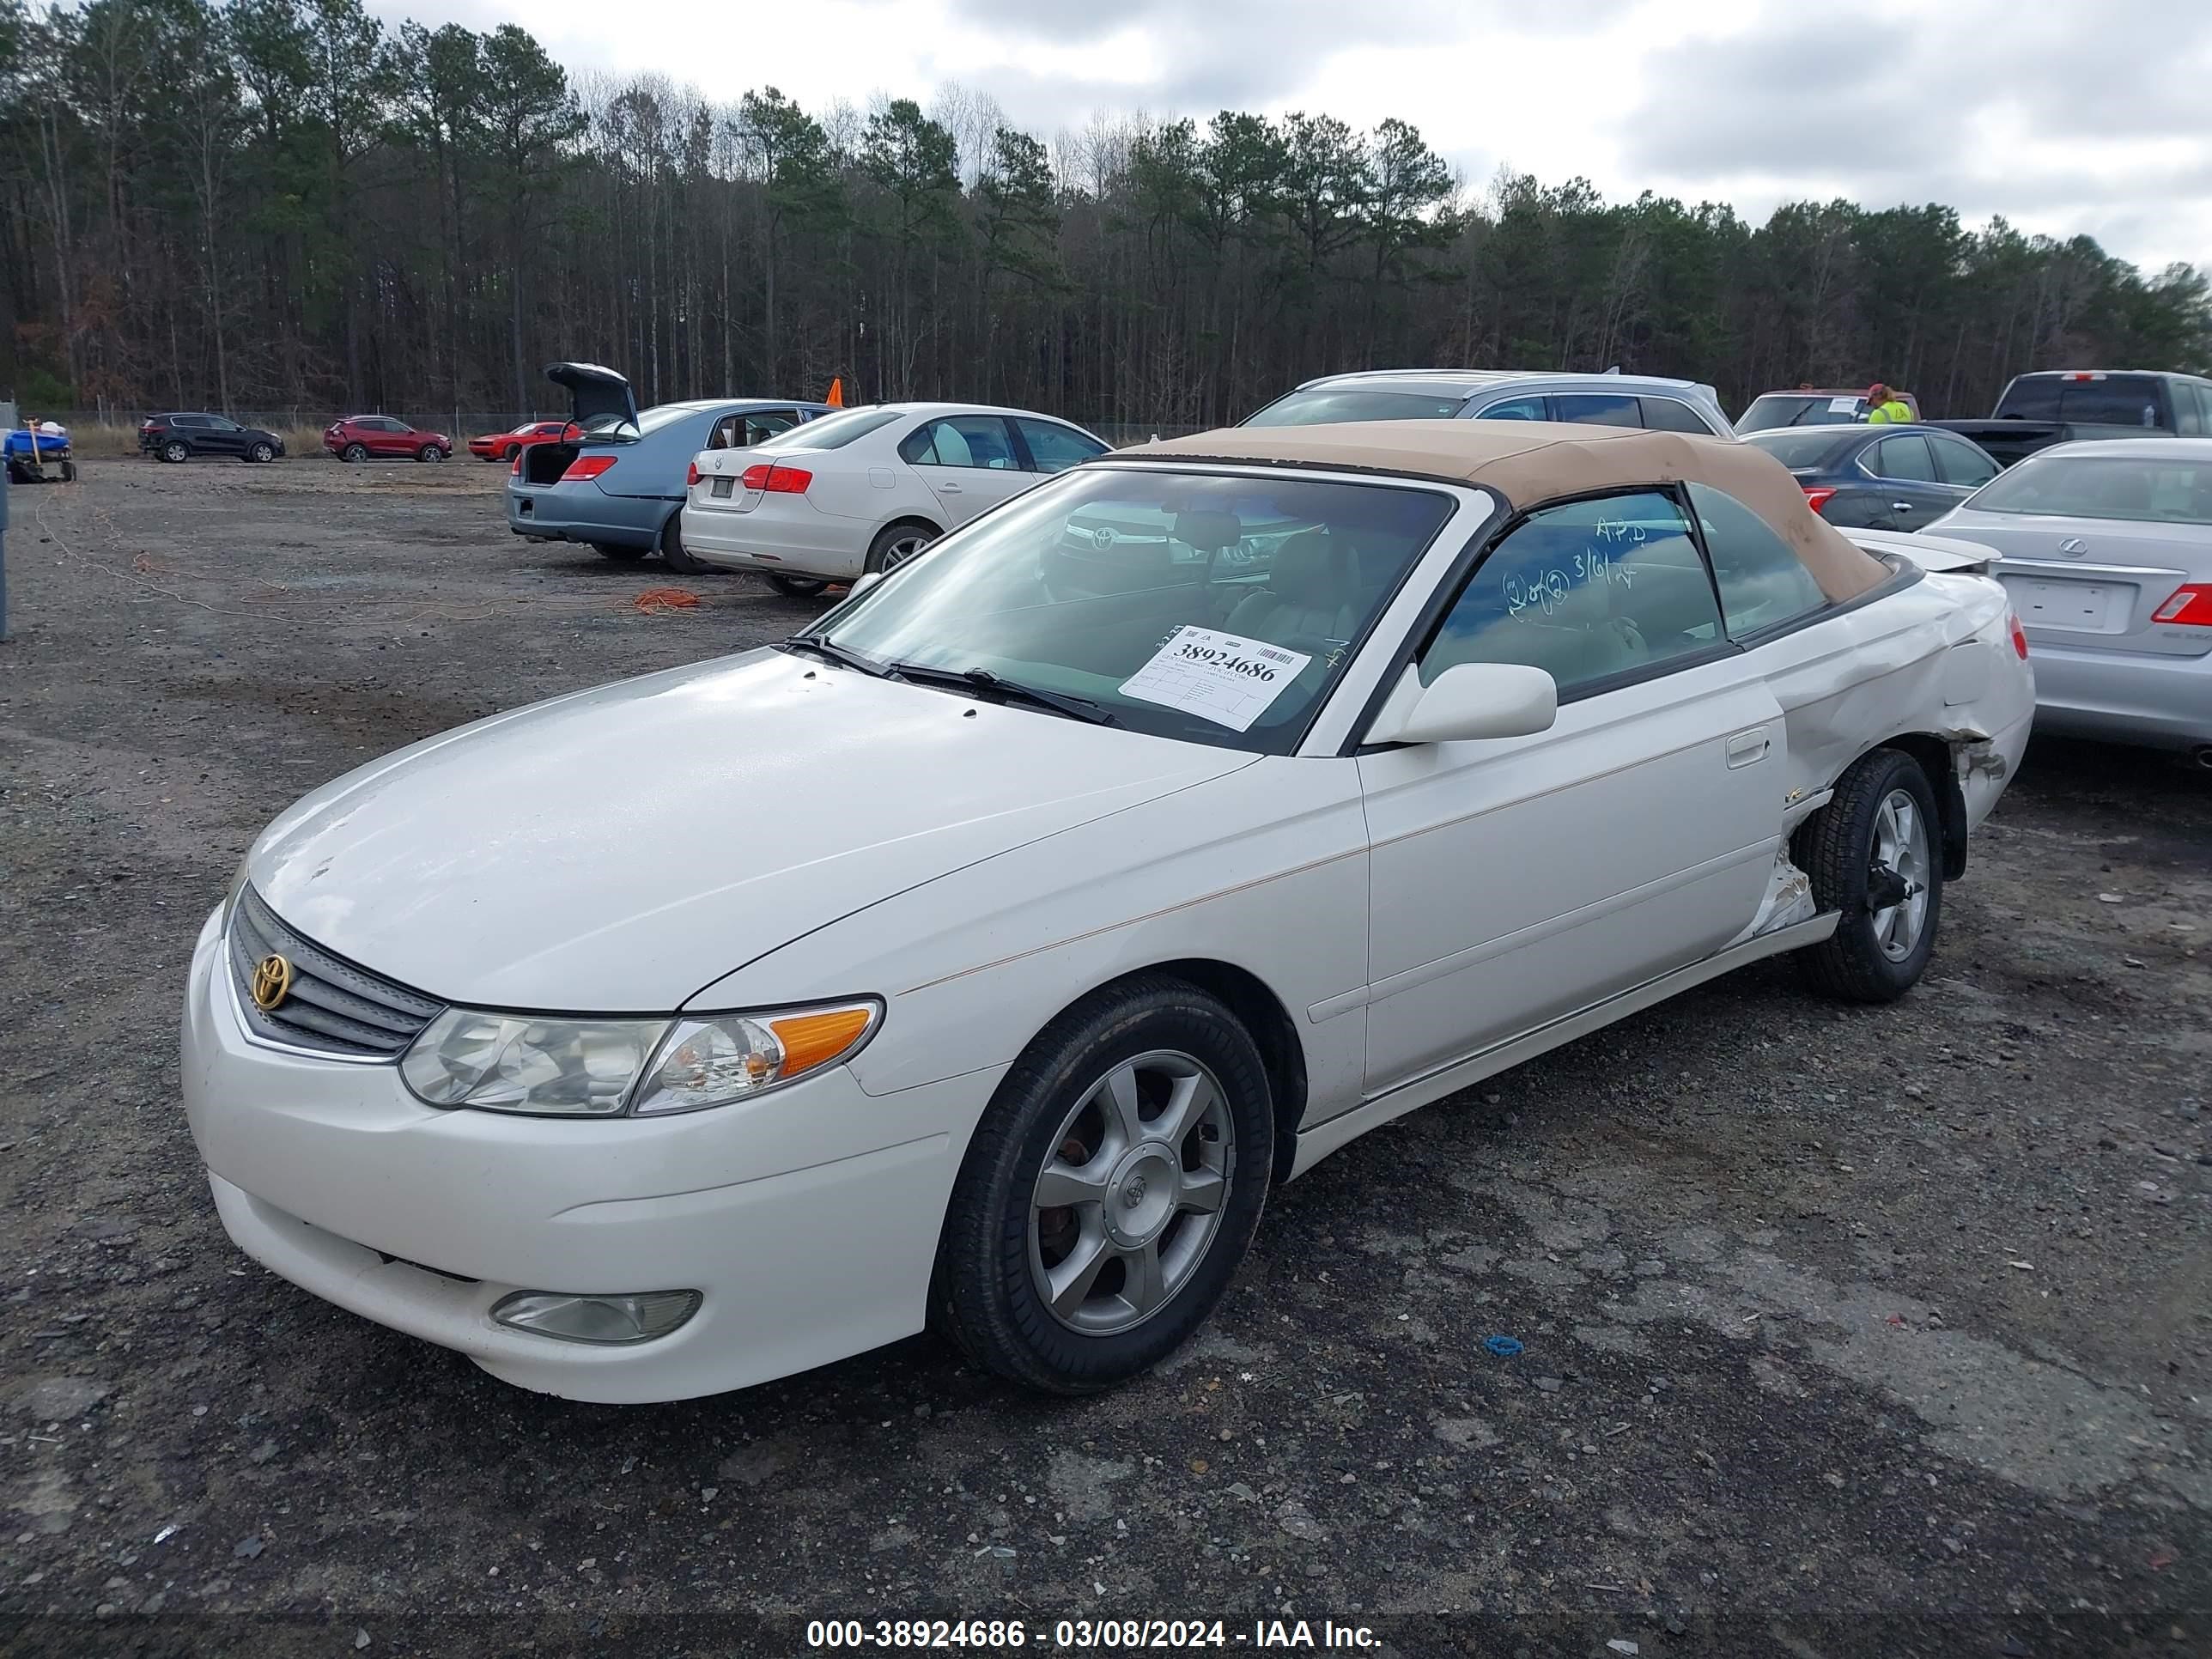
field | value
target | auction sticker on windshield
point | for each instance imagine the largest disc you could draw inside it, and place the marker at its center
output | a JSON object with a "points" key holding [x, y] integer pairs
{"points": [[1216, 676]]}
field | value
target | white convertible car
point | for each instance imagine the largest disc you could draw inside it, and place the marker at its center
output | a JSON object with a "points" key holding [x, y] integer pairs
{"points": [[1069, 899]]}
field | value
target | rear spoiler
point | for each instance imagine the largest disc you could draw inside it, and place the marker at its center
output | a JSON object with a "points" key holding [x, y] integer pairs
{"points": [[1928, 552]]}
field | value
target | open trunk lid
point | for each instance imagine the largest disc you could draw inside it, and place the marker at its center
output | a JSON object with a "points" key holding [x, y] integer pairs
{"points": [[600, 401]]}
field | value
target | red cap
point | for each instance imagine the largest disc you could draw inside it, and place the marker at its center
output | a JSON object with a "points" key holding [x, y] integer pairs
{"points": [[1876, 393]]}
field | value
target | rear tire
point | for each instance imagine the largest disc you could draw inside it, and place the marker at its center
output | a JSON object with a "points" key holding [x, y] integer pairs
{"points": [[619, 555], [175, 453], [1163, 1215], [671, 548], [354, 453], [797, 587], [894, 543], [1874, 853]]}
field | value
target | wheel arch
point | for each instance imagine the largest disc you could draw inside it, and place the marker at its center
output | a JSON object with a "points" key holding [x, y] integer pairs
{"points": [[897, 519], [1262, 1014]]}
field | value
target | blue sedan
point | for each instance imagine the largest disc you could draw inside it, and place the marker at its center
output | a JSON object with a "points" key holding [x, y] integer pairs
{"points": [[616, 481], [1879, 477]]}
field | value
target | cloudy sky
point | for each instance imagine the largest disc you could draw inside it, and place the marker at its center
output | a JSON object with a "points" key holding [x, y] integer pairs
{"points": [[2062, 116]]}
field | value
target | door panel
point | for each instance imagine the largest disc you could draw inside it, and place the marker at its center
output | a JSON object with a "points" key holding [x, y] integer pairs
{"points": [[1515, 882], [968, 462]]}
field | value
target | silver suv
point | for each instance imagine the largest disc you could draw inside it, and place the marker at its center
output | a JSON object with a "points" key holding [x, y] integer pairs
{"points": [[1500, 394]]}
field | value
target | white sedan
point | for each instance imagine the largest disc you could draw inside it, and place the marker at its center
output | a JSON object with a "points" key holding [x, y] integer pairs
{"points": [[1079, 899], [867, 490]]}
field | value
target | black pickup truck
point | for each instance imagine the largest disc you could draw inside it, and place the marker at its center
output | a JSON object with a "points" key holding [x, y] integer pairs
{"points": [[2058, 406]]}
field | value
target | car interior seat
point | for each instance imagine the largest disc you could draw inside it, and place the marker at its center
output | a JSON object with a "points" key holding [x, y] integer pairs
{"points": [[1309, 604]]}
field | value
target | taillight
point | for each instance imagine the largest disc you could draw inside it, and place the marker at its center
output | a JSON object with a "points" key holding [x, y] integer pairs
{"points": [[691, 476], [515, 467], [2019, 635], [2190, 605], [1817, 499], [588, 466], [776, 480]]}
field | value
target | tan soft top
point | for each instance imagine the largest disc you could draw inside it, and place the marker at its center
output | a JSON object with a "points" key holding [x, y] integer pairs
{"points": [[1532, 462]]}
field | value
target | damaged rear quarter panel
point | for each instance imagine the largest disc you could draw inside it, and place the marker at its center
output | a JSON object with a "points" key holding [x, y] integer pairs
{"points": [[1932, 656]]}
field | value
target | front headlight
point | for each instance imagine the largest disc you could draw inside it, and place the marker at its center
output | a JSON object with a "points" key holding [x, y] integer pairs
{"points": [[558, 1066]]}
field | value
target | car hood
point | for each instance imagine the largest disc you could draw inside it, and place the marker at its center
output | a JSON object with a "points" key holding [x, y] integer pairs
{"points": [[616, 850]]}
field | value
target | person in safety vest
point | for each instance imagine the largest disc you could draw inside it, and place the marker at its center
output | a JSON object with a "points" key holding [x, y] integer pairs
{"points": [[1884, 408]]}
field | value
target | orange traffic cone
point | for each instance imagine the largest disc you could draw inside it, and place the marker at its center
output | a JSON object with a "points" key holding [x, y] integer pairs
{"points": [[836, 398]]}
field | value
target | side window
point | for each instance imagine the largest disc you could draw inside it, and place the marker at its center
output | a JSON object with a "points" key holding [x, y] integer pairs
{"points": [[2188, 409], [217, 424], [1763, 583], [961, 440], [1672, 414], [1516, 409], [723, 435], [192, 422], [1904, 458], [551, 428], [1594, 409], [1584, 591], [1961, 463], [1055, 447], [762, 424]]}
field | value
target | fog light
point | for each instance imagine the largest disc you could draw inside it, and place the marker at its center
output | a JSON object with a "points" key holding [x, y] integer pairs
{"points": [[639, 1317]]}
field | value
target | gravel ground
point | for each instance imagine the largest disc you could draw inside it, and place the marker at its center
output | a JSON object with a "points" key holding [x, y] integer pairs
{"points": [[1845, 1332]]}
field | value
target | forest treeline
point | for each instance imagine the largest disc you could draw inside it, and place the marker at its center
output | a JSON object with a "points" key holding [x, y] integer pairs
{"points": [[286, 202]]}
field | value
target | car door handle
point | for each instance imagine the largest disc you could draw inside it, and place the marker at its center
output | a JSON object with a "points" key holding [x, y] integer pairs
{"points": [[948, 489], [1901, 506], [1747, 748]]}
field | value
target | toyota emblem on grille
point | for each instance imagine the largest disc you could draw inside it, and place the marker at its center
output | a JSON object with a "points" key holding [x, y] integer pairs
{"points": [[272, 983], [2074, 547], [1103, 537]]}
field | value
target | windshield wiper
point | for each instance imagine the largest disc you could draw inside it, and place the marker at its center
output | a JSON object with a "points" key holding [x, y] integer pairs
{"points": [[983, 680], [839, 654]]}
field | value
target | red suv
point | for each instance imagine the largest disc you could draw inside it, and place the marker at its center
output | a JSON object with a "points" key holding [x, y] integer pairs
{"points": [[359, 437]]}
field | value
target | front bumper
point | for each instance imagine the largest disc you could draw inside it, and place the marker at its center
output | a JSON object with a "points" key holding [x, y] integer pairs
{"points": [[2123, 696], [807, 1221]]}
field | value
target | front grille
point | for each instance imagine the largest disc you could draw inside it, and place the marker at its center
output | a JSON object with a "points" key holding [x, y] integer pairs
{"points": [[333, 1007]]}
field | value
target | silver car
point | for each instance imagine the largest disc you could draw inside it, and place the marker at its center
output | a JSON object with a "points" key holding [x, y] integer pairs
{"points": [[2108, 557], [1500, 394]]}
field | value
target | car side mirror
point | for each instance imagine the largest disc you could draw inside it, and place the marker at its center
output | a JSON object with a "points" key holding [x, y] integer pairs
{"points": [[1470, 701]]}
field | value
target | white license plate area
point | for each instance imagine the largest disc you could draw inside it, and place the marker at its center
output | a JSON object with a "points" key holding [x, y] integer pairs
{"points": [[2083, 607], [722, 489]]}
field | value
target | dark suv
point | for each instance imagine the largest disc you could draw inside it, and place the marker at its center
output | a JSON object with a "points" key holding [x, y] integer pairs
{"points": [[180, 437]]}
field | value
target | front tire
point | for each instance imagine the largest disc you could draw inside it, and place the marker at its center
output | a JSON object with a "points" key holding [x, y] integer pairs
{"points": [[354, 453], [429, 453], [671, 548], [1110, 1191], [510, 452], [175, 453], [796, 587], [262, 453], [894, 543], [1874, 853]]}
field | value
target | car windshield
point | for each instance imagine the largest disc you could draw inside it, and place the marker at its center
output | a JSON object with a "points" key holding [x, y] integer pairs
{"points": [[1800, 408], [1201, 607], [1325, 404], [2096, 487], [1802, 447], [830, 431]]}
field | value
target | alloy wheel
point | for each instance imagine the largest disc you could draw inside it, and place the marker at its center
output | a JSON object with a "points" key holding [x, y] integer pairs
{"points": [[1898, 883], [1131, 1195]]}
